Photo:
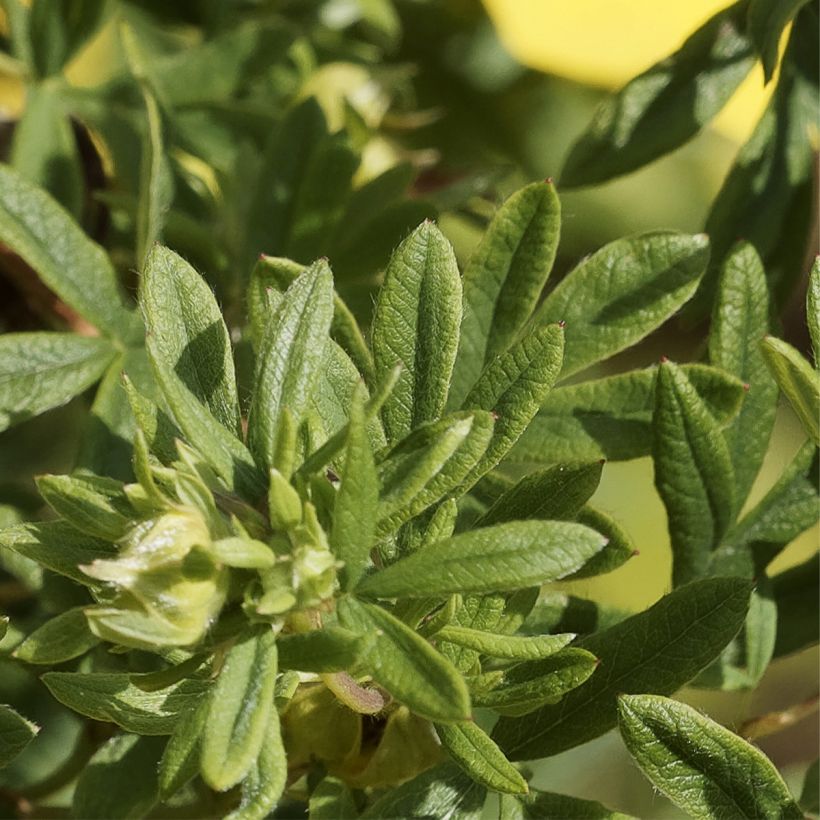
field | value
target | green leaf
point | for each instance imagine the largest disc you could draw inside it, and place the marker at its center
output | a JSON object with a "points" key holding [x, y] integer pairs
{"points": [[703, 768], [119, 782], [559, 612], [813, 310], [472, 749], [416, 324], [4, 625], [331, 649], [766, 22], [332, 800], [797, 597], [355, 509], [740, 319], [623, 292], [434, 460], [799, 382], [612, 417], [58, 33], [57, 546], [60, 639], [527, 686], [94, 505], [657, 650], [406, 665], [503, 557], [157, 427], [188, 333], [810, 796], [510, 647], [289, 358], [617, 550], [538, 805], [39, 371], [44, 150], [265, 782], [693, 473], [513, 388], [665, 106], [78, 270], [225, 453], [555, 493], [15, 734], [504, 280], [114, 698], [180, 760], [240, 705], [443, 792]]}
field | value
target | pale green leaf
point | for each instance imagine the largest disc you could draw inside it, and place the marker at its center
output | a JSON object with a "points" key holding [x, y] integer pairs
{"points": [[702, 767], [623, 292], [813, 310], [657, 650], [475, 752], [416, 324], [114, 698], [799, 382], [60, 639], [612, 417], [332, 800], [406, 665], [504, 279], [78, 270], [503, 557], [510, 647], [693, 473], [180, 760], [240, 705]]}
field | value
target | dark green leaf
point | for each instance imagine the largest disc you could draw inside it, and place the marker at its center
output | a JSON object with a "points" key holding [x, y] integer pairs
{"points": [[657, 650], [810, 796], [623, 292], [766, 21], [15, 734], [180, 760], [538, 805], [332, 649], [416, 324], [665, 106], [693, 473], [705, 769], [504, 279], [58, 33], [617, 550], [503, 557], [813, 310], [796, 594], [332, 800]]}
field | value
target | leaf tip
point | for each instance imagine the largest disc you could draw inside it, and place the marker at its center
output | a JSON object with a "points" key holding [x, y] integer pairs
{"points": [[746, 387], [562, 324], [664, 359]]}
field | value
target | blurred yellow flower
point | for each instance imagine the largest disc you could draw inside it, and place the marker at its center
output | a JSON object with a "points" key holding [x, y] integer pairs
{"points": [[607, 42]]}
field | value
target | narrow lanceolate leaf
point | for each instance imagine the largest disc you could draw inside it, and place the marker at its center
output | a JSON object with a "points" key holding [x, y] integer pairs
{"points": [[416, 325], [665, 106], [477, 754], [113, 698], [240, 704], [510, 647], [504, 279], [95, 505], [39, 371], [356, 506], [798, 381], [740, 320], [654, 651], [15, 734], [702, 767], [78, 270], [538, 805], [619, 546], [189, 334], [332, 649], [290, 356], [406, 665], [265, 782], [57, 546], [813, 310], [62, 638], [623, 292], [555, 493], [612, 417], [527, 686], [223, 451], [766, 21], [120, 780], [514, 387], [693, 473], [434, 460], [180, 760], [503, 557]]}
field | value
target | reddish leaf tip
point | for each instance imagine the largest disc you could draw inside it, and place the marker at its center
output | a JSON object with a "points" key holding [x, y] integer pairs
{"points": [[664, 359], [635, 552], [549, 181], [746, 387], [562, 324]]}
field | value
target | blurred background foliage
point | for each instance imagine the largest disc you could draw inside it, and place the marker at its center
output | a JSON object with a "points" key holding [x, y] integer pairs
{"points": [[425, 107]]}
